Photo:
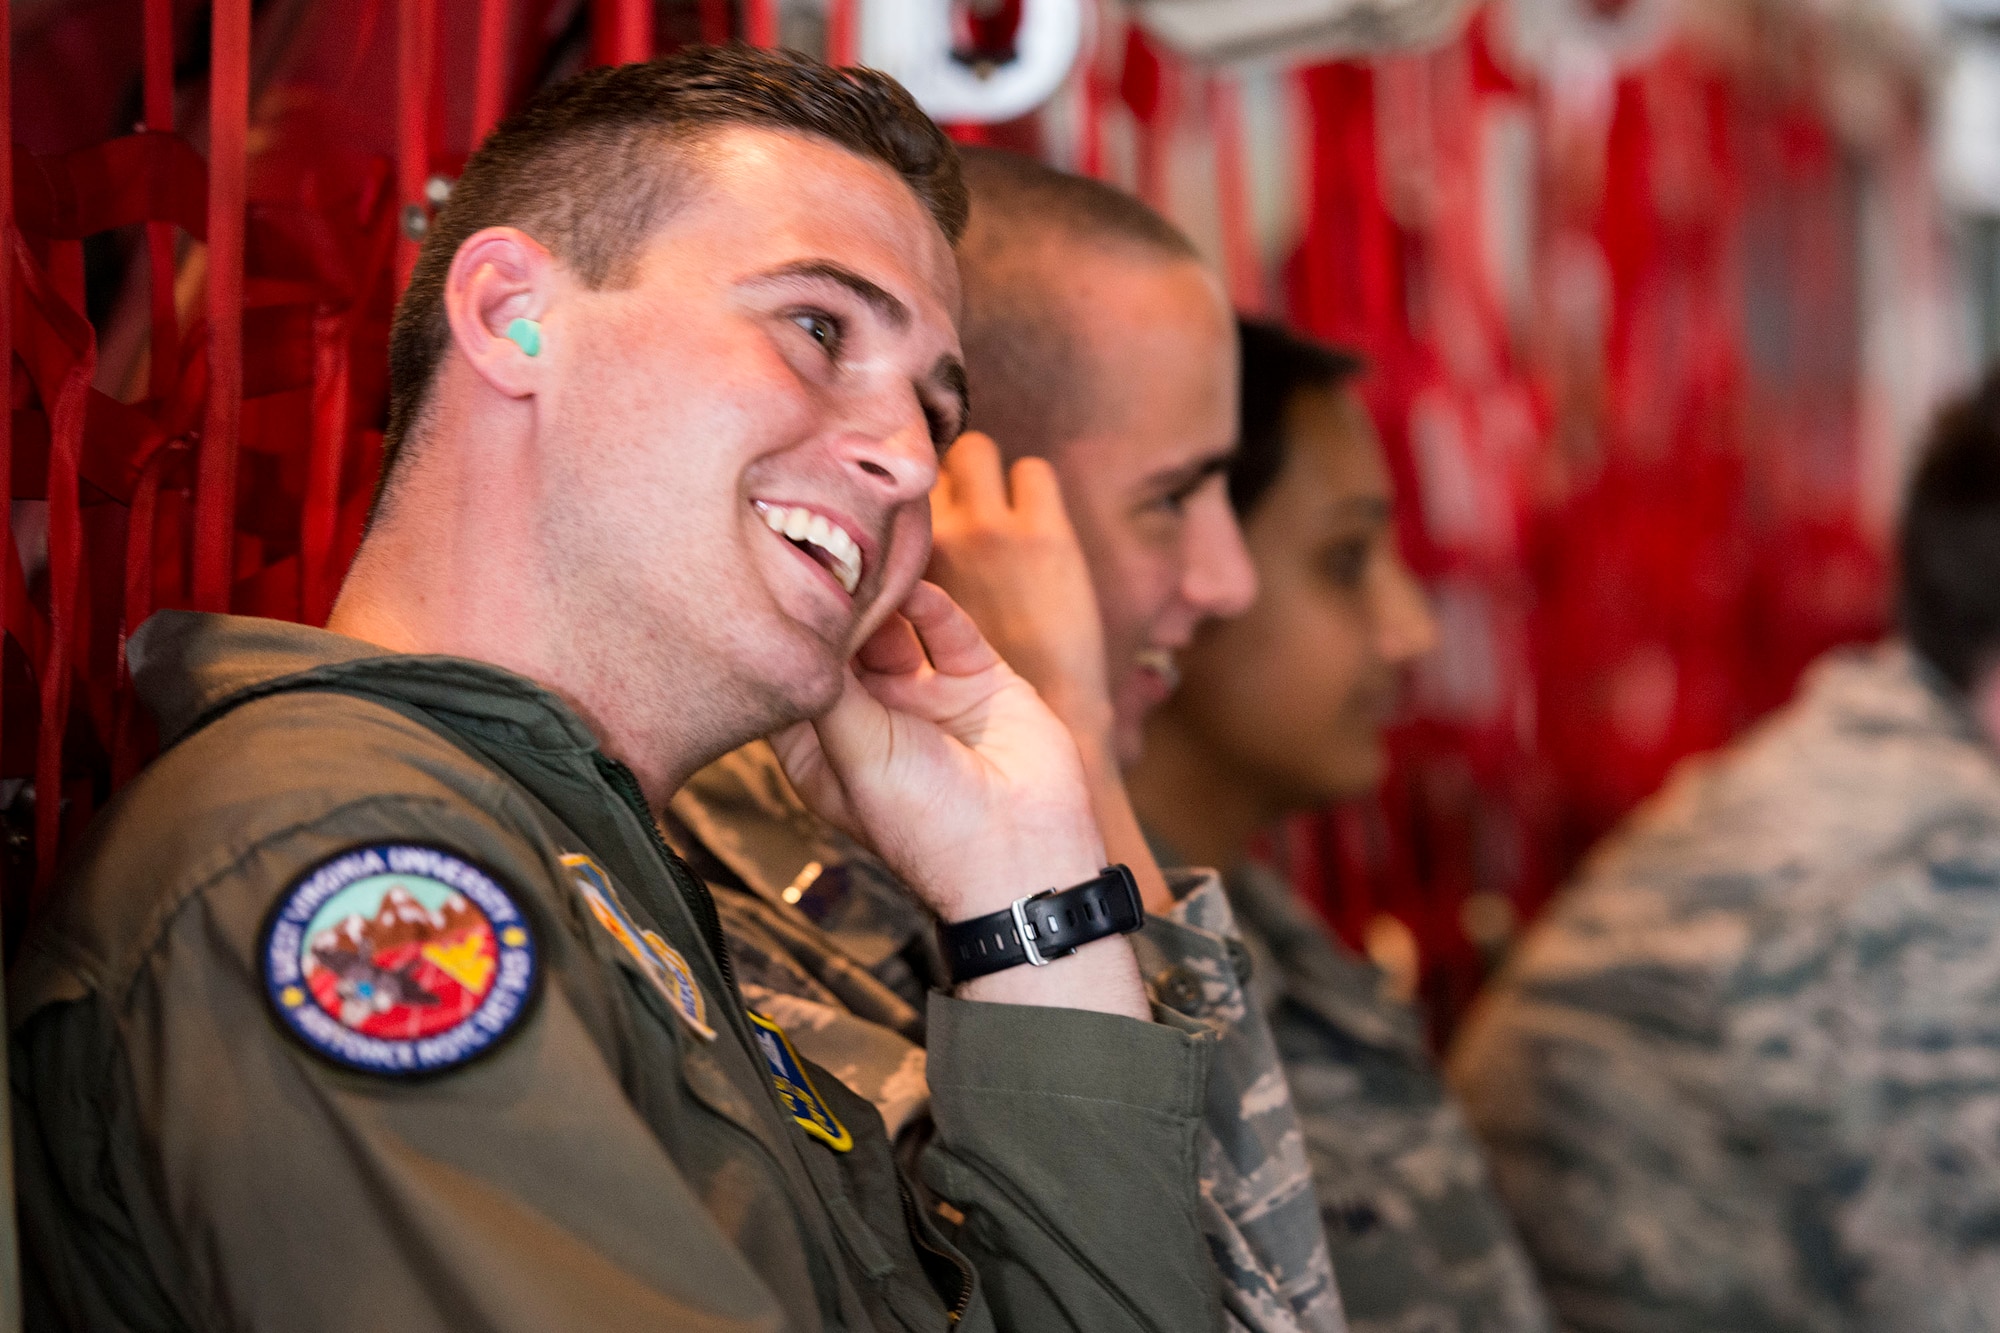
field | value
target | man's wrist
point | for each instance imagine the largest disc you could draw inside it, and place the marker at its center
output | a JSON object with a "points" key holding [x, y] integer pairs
{"points": [[992, 881], [1040, 928]]}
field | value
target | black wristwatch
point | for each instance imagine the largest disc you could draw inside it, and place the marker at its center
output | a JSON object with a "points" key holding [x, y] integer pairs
{"points": [[1043, 927]]}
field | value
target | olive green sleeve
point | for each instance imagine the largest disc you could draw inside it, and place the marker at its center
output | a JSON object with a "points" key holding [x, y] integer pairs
{"points": [[1068, 1140], [251, 1184]]}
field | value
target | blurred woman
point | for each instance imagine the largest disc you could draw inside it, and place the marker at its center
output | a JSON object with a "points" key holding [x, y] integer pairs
{"points": [[1283, 710]]}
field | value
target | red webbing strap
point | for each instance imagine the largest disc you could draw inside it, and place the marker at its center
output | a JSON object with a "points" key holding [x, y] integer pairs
{"points": [[1090, 117], [843, 36], [10, 561], [621, 31], [318, 579], [164, 355], [64, 330], [66, 270], [10, 1274], [128, 745], [1239, 240], [117, 183], [416, 41], [715, 21], [760, 22], [1148, 86], [215, 466], [489, 74]]}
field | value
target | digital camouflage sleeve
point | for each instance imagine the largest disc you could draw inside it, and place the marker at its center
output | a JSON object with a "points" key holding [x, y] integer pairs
{"points": [[1745, 1075], [827, 942], [1418, 1237]]}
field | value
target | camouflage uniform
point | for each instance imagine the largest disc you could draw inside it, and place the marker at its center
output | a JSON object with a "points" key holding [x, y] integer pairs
{"points": [[828, 943], [1420, 1243], [1746, 1073]]}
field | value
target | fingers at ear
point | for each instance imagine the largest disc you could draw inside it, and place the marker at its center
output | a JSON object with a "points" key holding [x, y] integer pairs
{"points": [[1037, 491], [977, 485], [498, 275]]}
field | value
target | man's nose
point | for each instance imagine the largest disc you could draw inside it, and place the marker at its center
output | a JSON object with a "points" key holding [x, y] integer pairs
{"points": [[1221, 581], [894, 455], [1405, 628]]}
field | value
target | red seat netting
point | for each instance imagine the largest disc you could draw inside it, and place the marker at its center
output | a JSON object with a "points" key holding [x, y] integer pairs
{"points": [[1634, 495]]}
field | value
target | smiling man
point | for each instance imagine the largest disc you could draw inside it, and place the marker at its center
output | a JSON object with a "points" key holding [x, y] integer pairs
{"points": [[377, 1000], [1088, 535]]}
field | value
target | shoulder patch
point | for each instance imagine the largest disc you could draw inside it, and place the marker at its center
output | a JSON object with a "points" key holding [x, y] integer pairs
{"points": [[398, 959], [662, 964], [795, 1089]]}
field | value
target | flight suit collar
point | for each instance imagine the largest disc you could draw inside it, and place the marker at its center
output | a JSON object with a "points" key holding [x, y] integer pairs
{"points": [[187, 666]]}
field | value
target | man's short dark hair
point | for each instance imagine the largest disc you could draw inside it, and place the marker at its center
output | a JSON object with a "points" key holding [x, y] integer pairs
{"points": [[1278, 366], [592, 166], [1950, 541], [1031, 377]]}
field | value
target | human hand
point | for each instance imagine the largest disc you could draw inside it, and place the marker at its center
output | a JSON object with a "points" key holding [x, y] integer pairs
{"points": [[949, 764], [1002, 546]]}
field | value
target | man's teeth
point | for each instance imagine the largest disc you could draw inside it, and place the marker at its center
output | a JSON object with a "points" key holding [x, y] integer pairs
{"points": [[803, 525], [1160, 661]]}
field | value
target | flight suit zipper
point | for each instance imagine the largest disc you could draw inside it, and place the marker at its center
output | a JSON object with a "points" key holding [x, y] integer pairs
{"points": [[699, 900], [915, 1223]]}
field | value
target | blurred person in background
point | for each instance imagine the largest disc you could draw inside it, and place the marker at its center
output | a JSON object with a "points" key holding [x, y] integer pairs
{"points": [[1280, 711], [1745, 1073], [1085, 525]]}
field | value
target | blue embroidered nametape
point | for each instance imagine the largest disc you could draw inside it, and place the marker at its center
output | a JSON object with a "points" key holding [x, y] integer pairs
{"points": [[795, 1089], [658, 961], [398, 959]]}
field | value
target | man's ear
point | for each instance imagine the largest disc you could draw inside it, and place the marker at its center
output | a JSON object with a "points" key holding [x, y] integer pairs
{"points": [[498, 276]]}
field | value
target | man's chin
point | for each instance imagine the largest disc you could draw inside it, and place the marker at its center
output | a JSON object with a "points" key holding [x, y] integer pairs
{"points": [[801, 688]]}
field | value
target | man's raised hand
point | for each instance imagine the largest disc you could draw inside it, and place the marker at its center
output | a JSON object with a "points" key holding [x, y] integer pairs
{"points": [[1003, 547], [950, 765]]}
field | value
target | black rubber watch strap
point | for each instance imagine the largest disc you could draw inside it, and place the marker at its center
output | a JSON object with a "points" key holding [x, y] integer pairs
{"points": [[1058, 923]]}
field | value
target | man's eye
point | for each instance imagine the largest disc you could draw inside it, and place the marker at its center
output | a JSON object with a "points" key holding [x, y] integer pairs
{"points": [[1176, 500], [821, 327], [1347, 563]]}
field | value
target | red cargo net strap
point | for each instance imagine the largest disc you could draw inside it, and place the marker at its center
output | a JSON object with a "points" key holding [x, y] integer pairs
{"points": [[215, 464]]}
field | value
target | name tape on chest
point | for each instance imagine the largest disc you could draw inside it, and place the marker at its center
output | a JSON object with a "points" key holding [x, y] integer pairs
{"points": [[657, 960], [398, 959], [795, 1089]]}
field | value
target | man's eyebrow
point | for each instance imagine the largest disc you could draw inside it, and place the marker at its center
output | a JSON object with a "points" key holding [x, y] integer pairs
{"points": [[893, 312], [1190, 475]]}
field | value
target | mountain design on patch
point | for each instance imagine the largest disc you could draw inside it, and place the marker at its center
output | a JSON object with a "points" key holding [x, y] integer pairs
{"points": [[405, 972], [401, 920]]}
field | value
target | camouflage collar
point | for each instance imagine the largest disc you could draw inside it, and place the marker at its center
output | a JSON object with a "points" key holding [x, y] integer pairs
{"points": [[1315, 971]]}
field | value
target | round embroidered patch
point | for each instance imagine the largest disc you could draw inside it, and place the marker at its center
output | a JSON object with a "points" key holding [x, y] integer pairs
{"points": [[398, 959]]}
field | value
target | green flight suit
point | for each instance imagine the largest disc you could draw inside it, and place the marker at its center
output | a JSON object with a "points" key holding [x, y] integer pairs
{"points": [[185, 1163]]}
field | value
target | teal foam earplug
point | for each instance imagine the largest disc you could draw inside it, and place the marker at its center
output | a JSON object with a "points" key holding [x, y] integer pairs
{"points": [[527, 335]]}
